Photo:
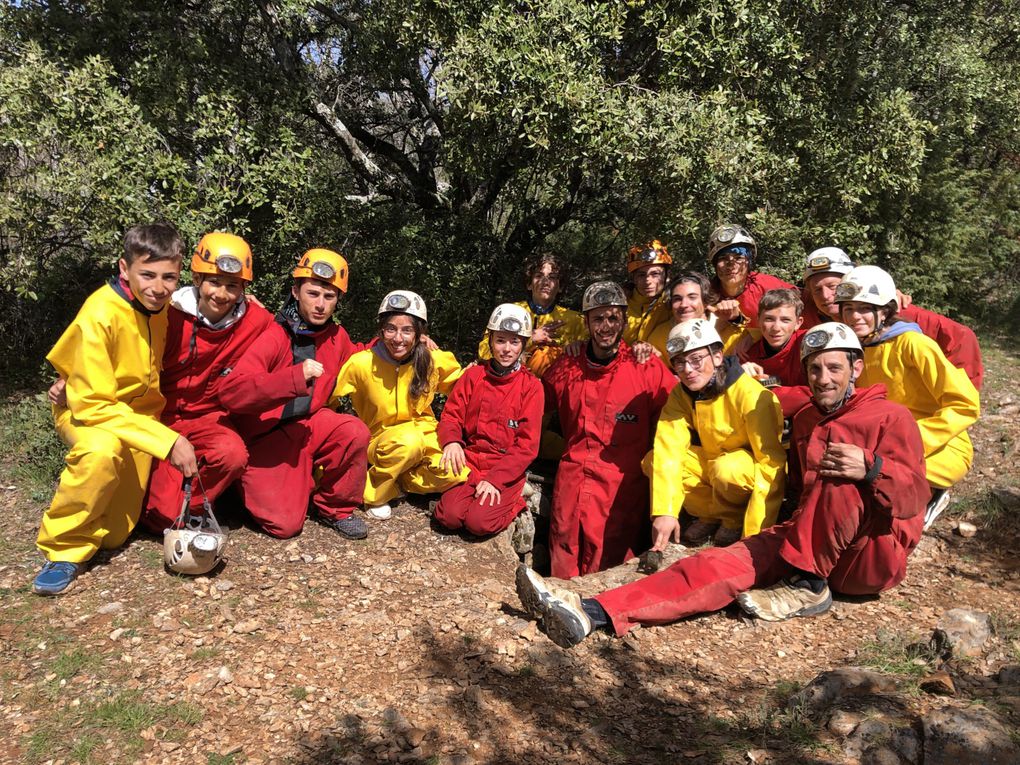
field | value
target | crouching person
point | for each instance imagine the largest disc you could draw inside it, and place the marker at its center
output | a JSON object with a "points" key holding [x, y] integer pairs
{"points": [[859, 461], [277, 395], [718, 451], [492, 423], [110, 357]]}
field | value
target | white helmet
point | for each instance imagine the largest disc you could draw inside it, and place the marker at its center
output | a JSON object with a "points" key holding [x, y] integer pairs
{"points": [[510, 318], [195, 543], [404, 301], [830, 336], [730, 235], [827, 260], [690, 335], [601, 294], [867, 284]]}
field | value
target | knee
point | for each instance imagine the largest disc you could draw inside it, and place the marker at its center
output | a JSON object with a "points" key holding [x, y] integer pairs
{"points": [[483, 524], [96, 449], [448, 515], [282, 528], [229, 452], [730, 470], [400, 445]]}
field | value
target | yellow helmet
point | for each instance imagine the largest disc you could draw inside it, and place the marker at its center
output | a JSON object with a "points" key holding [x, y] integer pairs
{"points": [[651, 254], [219, 253], [325, 265]]}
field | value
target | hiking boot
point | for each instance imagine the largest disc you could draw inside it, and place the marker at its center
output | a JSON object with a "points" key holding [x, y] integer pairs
{"points": [[698, 532], [563, 618], [724, 537], [380, 512], [938, 503], [351, 527], [523, 536], [56, 577], [786, 599]]}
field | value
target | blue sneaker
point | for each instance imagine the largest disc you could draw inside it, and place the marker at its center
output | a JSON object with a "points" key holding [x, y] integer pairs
{"points": [[351, 527], [56, 577]]}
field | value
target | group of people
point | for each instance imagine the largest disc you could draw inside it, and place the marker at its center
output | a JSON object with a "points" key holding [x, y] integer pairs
{"points": [[684, 410]]}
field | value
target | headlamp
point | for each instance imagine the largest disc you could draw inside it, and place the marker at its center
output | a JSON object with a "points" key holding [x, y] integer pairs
{"points": [[816, 339], [726, 234], [676, 346], [819, 263], [323, 270], [228, 264], [398, 302], [510, 324], [604, 297], [847, 291]]}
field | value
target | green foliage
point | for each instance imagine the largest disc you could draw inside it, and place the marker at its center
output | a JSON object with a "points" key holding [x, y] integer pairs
{"points": [[28, 436], [439, 143]]}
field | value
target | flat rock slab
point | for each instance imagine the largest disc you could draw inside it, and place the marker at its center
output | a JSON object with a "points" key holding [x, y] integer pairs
{"points": [[971, 736], [829, 687]]}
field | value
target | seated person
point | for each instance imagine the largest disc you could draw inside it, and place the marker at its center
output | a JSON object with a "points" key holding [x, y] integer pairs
{"points": [[917, 374], [859, 464], [110, 357], [718, 452], [732, 252], [491, 424], [554, 326], [691, 297], [774, 358], [392, 385], [648, 306], [826, 267], [608, 405], [301, 453]]}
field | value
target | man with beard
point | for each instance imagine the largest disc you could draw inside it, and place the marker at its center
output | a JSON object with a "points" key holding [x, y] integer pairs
{"points": [[608, 405], [859, 463]]}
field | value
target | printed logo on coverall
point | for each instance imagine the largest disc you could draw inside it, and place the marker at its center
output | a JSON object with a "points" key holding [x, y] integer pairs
{"points": [[513, 424], [624, 417]]}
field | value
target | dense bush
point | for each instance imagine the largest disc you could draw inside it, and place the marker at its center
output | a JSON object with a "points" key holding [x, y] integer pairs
{"points": [[438, 143]]}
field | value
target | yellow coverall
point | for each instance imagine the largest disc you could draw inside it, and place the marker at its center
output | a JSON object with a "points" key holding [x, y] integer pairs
{"points": [[730, 334], [404, 452], [539, 358], [941, 397], [110, 356], [737, 474], [644, 315]]}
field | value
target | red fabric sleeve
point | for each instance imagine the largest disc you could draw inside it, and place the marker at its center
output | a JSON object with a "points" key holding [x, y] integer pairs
{"points": [[264, 377], [957, 341], [451, 423], [900, 489]]}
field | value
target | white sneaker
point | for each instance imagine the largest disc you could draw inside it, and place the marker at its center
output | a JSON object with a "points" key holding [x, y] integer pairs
{"points": [[939, 502], [380, 512]]}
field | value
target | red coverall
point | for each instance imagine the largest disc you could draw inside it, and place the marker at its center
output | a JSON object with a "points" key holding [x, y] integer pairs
{"points": [[957, 341], [855, 534], [290, 432], [600, 515], [194, 364], [787, 367], [498, 420], [757, 284]]}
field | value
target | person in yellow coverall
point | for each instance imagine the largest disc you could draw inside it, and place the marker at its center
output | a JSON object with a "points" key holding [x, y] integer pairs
{"points": [[554, 326], [110, 356], [917, 374], [648, 304], [717, 451], [691, 296], [392, 385]]}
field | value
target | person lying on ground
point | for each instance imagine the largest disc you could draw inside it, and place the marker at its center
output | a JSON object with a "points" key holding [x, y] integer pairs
{"points": [[858, 463], [491, 425]]}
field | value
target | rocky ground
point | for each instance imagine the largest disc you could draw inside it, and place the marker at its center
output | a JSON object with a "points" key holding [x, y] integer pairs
{"points": [[411, 647]]}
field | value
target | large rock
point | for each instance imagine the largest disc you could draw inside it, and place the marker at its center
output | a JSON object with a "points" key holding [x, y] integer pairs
{"points": [[627, 572], [961, 632], [829, 687], [971, 736]]}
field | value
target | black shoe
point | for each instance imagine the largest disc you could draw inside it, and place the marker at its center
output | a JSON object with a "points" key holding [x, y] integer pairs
{"points": [[351, 527]]}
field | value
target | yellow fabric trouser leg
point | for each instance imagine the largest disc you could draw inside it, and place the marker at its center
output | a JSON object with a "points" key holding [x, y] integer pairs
{"points": [[99, 497], [723, 488], [406, 456], [950, 463]]}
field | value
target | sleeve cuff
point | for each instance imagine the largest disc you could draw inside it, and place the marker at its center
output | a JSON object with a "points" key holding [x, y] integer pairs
{"points": [[874, 470]]}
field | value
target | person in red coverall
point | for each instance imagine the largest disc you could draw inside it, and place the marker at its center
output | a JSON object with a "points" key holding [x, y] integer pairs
{"points": [[608, 406], [732, 252], [774, 359], [277, 396], [826, 267], [860, 463], [211, 323], [492, 423]]}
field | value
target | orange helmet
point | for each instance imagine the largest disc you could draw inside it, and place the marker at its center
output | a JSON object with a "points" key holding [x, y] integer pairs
{"points": [[652, 254], [226, 254], [329, 266]]}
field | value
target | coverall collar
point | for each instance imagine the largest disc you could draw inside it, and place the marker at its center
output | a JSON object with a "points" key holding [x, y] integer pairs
{"points": [[890, 331], [731, 370], [290, 319], [185, 300], [498, 373], [121, 287]]}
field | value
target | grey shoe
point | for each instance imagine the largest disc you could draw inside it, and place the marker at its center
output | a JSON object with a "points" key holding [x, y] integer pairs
{"points": [[563, 618], [785, 600]]}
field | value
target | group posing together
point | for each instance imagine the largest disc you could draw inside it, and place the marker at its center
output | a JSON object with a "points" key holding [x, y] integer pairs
{"points": [[685, 410]]}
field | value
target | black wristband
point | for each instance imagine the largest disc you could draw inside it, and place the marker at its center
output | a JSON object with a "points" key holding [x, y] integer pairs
{"points": [[876, 468]]}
